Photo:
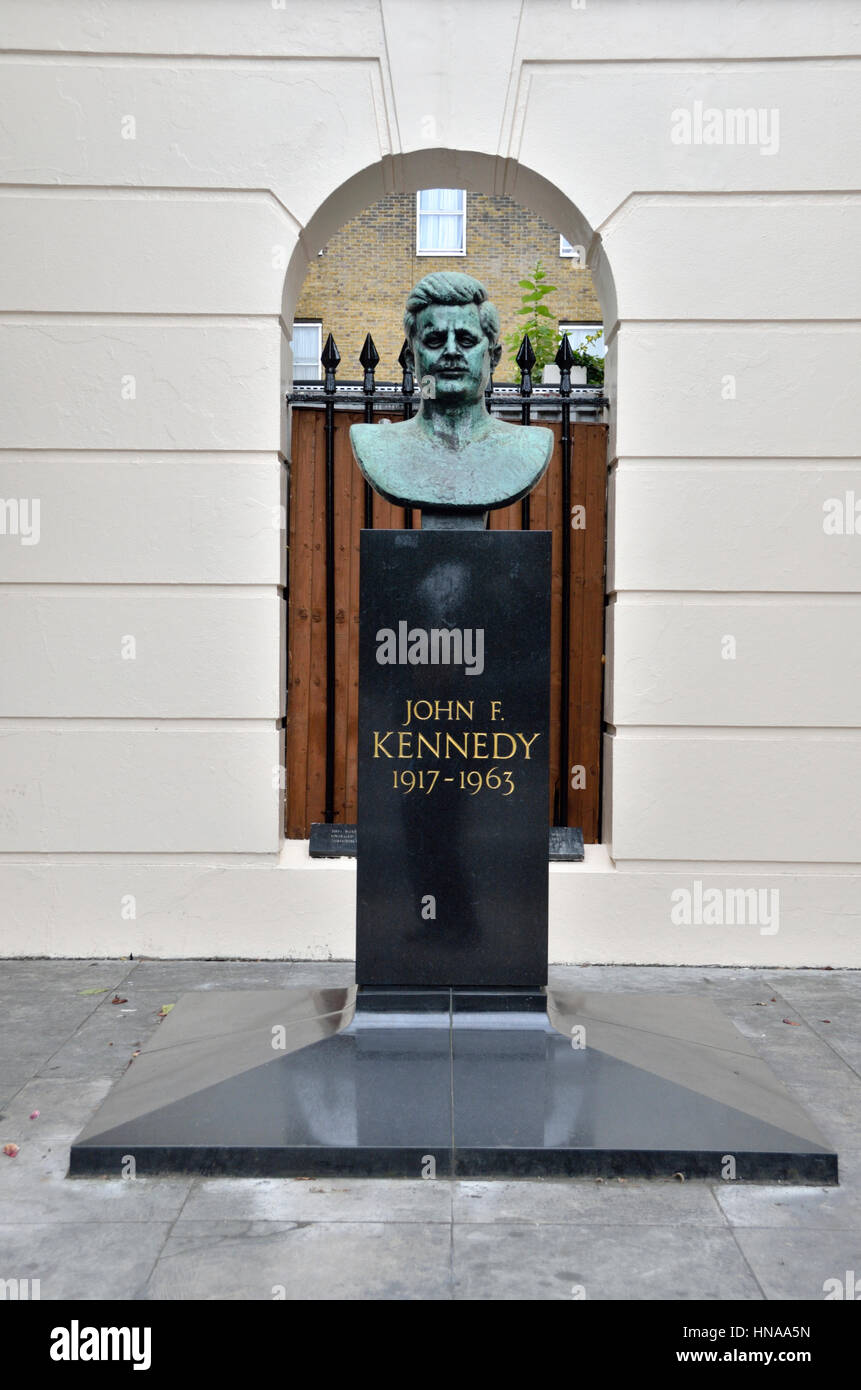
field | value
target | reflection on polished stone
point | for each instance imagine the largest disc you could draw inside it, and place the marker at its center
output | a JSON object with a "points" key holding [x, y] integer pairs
{"points": [[271, 1086], [481, 1082], [630, 1084]]}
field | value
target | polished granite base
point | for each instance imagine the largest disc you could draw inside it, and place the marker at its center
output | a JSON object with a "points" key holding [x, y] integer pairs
{"points": [[439, 1082]]}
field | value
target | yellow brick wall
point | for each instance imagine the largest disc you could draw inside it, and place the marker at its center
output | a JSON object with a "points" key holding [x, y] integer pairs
{"points": [[360, 283]]}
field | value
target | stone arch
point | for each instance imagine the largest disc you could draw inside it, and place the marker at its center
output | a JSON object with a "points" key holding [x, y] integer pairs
{"points": [[449, 168]]}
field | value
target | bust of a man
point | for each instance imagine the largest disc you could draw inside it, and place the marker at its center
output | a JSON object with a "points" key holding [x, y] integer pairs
{"points": [[452, 456]]}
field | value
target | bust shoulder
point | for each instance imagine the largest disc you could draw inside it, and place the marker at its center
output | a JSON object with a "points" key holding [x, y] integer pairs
{"points": [[536, 438], [410, 469]]}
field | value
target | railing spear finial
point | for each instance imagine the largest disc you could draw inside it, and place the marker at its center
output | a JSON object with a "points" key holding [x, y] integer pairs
{"points": [[565, 361], [405, 362], [526, 361], [330, 359], [368, 358]]}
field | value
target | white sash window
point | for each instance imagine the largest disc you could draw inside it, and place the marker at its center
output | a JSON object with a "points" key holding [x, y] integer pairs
{"points": [[441, 222], [307, 347]]}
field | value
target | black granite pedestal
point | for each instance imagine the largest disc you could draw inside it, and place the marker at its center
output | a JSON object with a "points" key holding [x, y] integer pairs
{"points": [[453, 758], [450, 1082]]}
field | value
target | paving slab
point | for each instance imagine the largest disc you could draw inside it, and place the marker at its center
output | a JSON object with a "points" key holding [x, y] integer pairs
{"points": [[301, 1260], [105, 1042], [53, 1198], [335, 1199], [83, 1259], [40, 974], [799, 1264], [835, 1022], [609, 1203], [183, 975], [592, 1261], [798, 984], [44, 1142], [12, 1078], [822, 1208]]}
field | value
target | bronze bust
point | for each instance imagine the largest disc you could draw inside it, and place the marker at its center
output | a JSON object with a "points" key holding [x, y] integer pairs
{"points": [[452, 460]]}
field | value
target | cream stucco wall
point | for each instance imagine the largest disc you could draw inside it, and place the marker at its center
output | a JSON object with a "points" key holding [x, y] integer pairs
{"points": [[168, 167]]}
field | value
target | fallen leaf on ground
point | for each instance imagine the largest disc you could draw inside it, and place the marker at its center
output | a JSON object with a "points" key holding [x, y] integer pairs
{"points": [[11, 1150], [93, 991], [792, 1023], [164, 1010], [117, 999]]}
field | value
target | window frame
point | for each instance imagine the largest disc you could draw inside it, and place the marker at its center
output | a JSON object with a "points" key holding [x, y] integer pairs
{"points": [[567, 326], [420, 212], [309, 323], [571, 253]]}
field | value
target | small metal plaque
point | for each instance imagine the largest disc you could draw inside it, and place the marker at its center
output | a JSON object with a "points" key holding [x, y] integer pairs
{"points": [[332, 841], [566, 843]]}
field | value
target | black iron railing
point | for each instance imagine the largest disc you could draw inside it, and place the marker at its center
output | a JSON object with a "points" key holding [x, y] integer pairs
{"points": [[588, 402], [529, 401]]}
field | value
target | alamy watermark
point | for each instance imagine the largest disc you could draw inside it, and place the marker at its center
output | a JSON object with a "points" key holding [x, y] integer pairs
{"points": [[841, 516], [718, 907], [20, 1290], [846, 1288], [77, 1343], [21, 517], [758, 127]]}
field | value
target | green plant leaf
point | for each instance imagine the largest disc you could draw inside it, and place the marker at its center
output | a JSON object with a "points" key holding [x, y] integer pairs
{"points": [[537, 320]]}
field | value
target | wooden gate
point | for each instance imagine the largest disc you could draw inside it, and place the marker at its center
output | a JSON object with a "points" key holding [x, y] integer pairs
{"points": [[306, 674]]}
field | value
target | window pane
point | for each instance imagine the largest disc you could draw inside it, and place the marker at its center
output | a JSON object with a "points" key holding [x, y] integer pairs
{"points": [[577, 333], [441, 200], [307, 347], [438, 232], [306, 337]]}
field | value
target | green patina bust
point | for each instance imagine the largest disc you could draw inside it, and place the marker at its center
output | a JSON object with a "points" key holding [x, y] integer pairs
{"points": [[452, 459]]}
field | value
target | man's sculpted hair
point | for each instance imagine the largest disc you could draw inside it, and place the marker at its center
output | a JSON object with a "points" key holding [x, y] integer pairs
{"points": [[451, 287]]}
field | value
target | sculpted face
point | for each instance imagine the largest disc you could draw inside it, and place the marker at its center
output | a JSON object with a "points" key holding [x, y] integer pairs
{"points": [[450, 348], [452, 458]]}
